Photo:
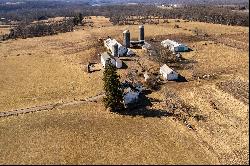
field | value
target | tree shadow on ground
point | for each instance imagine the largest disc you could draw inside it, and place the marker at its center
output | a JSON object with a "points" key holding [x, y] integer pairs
{"points": [[142, 108]]}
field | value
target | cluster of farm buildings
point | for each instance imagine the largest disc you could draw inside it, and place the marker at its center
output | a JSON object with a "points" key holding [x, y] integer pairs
{"points": [[117, 50]]}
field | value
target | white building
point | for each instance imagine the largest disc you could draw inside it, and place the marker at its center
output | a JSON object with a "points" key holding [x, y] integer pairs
{"points": [[109, 43], [168, 73], [105, 58], [174, 46], [118, 63], [130, 97]]}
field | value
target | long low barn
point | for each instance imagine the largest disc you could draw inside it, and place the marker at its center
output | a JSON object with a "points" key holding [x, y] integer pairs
{"points": [[174, 46]]}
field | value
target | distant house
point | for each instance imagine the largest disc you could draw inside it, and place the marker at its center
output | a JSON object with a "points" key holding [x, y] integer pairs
{"points": [[168, 73], [106, 58], [174, 46]]}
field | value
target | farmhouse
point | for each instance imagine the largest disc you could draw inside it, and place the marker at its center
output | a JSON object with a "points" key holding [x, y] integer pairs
{"points": [[168, 73], [110, 43], [174, 46], [106, 58]]}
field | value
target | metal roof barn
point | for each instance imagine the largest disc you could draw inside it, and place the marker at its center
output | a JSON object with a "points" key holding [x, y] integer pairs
{"points": [[174, 46]]}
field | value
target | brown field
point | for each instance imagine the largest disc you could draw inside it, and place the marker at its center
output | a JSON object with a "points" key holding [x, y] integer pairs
{"points": [[4, 29], [44, 70]]}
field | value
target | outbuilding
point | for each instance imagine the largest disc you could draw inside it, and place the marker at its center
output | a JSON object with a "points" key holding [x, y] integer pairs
{"points": [[106, 58], [168, 73], [130, 97], [174, 46], [118, 63]]}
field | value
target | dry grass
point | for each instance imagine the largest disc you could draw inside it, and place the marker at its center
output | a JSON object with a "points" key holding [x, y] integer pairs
{"points": [[43, 70], [226, 130], [91, 135], [4, 29], [238, 88]]}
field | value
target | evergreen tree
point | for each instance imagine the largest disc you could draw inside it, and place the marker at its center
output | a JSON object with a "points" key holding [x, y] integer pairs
{"points": [[112, 87], [80, 18]]}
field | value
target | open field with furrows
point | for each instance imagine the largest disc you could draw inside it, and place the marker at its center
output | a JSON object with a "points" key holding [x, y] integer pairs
{"points": [[51, 69]]}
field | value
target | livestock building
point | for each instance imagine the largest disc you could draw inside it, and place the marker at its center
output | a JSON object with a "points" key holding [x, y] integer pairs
{"points": [[174, 46], [106, 58], [168, 73]]}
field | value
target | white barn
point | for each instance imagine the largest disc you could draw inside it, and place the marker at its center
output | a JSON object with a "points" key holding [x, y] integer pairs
{"points": [[174, 46], [105, 57], [109, 43], [168, 73]]}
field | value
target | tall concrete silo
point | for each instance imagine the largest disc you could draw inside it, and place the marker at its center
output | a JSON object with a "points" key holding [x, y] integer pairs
{"points": [[126, 38], [141, 33], [115, 50]]}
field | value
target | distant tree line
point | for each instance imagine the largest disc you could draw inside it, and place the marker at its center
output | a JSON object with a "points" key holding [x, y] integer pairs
{"points": [[24, 14], [119, 14], [24, 30], [210, 14]]}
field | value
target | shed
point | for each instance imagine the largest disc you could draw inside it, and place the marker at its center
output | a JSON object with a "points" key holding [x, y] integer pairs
{"points": [[168, 73], [118, 63], [174, 46], [130, 96], [105, 58]]}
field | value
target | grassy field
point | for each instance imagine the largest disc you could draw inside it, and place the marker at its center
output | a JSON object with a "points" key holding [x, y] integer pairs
{"points": [[50, 69], [90, 135]]}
